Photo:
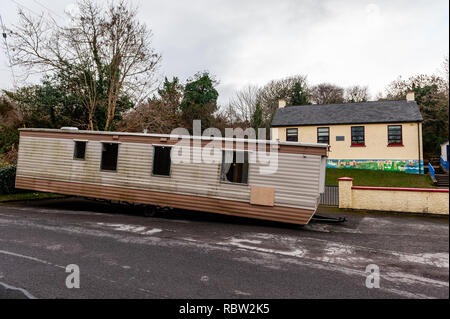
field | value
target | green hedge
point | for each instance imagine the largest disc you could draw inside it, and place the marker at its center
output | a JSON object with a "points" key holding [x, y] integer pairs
{"points": [[9, 135], [8, 180]]}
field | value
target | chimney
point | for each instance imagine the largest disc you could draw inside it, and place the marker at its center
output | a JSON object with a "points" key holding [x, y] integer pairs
{"points": [[410, 96], [281, 103]]}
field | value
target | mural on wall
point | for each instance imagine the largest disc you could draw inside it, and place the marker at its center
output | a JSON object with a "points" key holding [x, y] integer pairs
{"points": [[408, 166]]}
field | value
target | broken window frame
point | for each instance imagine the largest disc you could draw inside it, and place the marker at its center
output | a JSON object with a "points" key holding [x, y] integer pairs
{"points": [[222, 176], [101, 157], [153, 160], [77, 142]]}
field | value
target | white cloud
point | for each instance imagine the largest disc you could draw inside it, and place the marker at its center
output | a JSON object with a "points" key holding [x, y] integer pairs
{"points": [[243, 42]]}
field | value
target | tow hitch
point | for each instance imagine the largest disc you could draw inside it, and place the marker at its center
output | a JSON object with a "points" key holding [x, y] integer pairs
{"points": [[326, 219]]}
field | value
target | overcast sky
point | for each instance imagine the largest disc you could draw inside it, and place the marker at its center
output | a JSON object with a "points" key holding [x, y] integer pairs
{"points": [[251, 42]]}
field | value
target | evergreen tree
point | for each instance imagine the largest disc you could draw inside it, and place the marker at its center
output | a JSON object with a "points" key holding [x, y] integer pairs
{"points": [[257, 118], [298, 95], [199, 100]]}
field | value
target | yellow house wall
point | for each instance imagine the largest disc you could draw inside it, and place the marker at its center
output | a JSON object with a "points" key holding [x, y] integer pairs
{"points": [[376, 139]]}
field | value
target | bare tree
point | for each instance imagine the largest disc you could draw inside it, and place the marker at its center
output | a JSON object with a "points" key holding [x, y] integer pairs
{"points": [[380, 96], [270, 93], [326, 93], [445, 67], [356, 93], [160, 114], [243, 104], [228, 113], [445, 73], [431, 95], [152, 116], [399, 88], [103, 53], [10, 113]]}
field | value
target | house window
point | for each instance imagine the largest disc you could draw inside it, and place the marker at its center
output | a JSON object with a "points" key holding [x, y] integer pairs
{"points": [[79, 151], [234, 167], [109, 156], [323, 135], [161, 160], [292, 135], [358, 136], [395, 135]]}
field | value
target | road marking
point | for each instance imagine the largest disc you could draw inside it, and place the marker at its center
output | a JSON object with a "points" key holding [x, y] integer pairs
{"points": [[30, 258], [246, 244], [339, 255], [25, 292], [51, 264], [439, 260], [137, 229], [242, 293], [343, 252], [153, 231]]}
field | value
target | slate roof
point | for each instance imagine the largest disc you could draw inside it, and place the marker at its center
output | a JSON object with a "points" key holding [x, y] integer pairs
{"points": [[348, 113]]}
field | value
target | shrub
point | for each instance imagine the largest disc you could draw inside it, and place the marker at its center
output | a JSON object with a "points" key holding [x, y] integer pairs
{"points": [[9, 136], [9, 157], [3, 163], [8, 180]]}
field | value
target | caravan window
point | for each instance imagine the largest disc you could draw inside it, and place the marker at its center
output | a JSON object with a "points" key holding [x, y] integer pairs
{"points": [[161, 160], [109, 156], [79, 151], [234, 167]]}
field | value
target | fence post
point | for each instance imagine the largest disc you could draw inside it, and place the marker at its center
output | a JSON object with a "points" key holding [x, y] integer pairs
{"points": [[345, 192]]}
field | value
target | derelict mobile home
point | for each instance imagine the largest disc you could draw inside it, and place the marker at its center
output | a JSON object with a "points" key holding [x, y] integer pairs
{"points": [[137, 168]]}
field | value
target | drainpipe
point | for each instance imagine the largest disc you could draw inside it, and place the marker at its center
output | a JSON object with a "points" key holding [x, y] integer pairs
{"points": [[411, 98]]}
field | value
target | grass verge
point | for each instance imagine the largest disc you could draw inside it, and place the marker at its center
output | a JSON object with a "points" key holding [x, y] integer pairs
{"points": [[379, 178], [27, 196]]}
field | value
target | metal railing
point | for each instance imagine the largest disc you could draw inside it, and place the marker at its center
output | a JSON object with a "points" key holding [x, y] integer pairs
{"points": [[330, 197], [431, 171]]}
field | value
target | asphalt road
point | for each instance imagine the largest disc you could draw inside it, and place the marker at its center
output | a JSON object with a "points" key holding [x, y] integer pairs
{"points": [[196, 255]]}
